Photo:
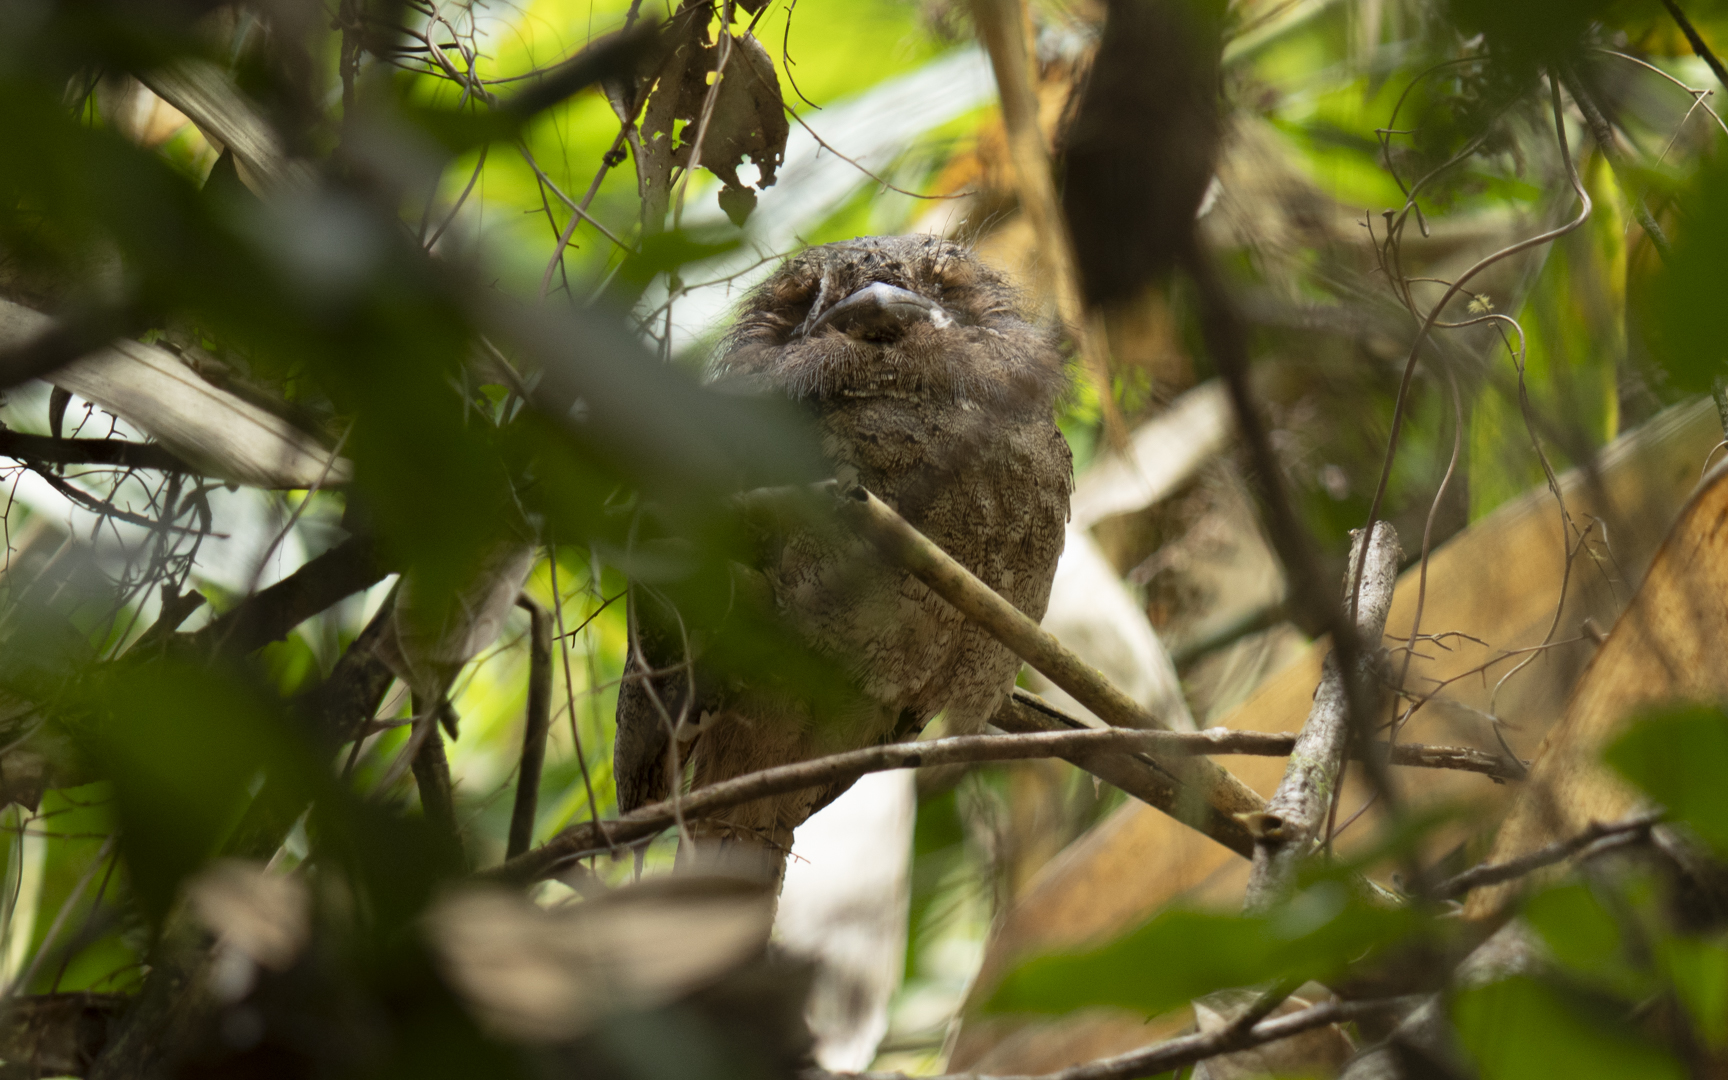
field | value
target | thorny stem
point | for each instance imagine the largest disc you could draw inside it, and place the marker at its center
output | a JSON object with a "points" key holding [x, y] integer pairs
{"points": [[674, 767], [294, 517], [66, 907], [84, 931], [1482, 668], [107, 509], [456, 207], [579, 209], [1698, 95], [1385, 134], [1559, 607], [1428, 540]]}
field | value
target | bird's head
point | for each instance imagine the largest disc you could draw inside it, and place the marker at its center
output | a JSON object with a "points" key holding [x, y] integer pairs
{"points": [[892, 315]]}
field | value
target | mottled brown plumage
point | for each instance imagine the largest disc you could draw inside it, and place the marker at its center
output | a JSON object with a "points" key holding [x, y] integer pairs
{"points": [[934, 391]]}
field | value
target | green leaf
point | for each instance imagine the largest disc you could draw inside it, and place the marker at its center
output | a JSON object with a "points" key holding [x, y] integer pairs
{"points": [[668, 251], [1679, 757], [1183, 954], [183, 744], [1520, 1028], [1585, 937], [1698, 970], [1176, 957], [1682, 302]]}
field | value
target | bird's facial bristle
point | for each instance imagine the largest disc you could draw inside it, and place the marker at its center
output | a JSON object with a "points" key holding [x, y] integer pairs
{"points": [[972, 339]]}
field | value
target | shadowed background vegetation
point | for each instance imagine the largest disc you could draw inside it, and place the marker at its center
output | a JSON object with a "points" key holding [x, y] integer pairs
{"points": [[454, 276]]}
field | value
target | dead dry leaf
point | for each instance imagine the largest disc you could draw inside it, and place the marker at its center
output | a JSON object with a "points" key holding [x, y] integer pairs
{"points": [[211, 429], [748, 120], [205, 92], [1497, 581], [266, 916], [427, 640], [1668, 646], [550, 975]]}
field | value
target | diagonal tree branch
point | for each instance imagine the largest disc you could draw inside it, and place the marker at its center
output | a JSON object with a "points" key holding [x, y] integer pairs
{"points": [[1204, 782], [269, 614], [1699, 47], [1129, 765]]}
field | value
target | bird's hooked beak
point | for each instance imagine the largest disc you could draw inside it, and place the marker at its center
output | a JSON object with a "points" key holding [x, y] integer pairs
{"points": [[879, 311]]}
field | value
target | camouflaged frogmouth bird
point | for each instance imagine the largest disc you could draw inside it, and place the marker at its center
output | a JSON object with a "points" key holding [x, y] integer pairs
{"points": [[933, 390]]}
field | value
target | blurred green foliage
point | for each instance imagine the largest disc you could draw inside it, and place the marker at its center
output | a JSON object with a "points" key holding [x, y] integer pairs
{"points": [[328, 299], [1677, 303], [1181, 955], [1678, 758], [1525, 1027]]}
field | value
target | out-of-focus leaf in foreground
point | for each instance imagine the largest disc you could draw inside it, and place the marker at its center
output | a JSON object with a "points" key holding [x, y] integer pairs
{"points": [[1180, 955], [1679, 758], [1584, 936], [183, 744], [1698, 970], [1521, 1027], [1681, 305]]}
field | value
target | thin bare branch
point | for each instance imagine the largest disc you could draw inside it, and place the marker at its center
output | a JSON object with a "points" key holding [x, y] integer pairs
{"points": [[607, 161], [569, 683], [106, 508], [1045, 731], [886, 186], [1693, 38], [1478, 877]]}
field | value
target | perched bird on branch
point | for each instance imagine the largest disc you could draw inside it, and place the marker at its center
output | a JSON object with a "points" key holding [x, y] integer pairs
{"points": [[934, 391]]}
